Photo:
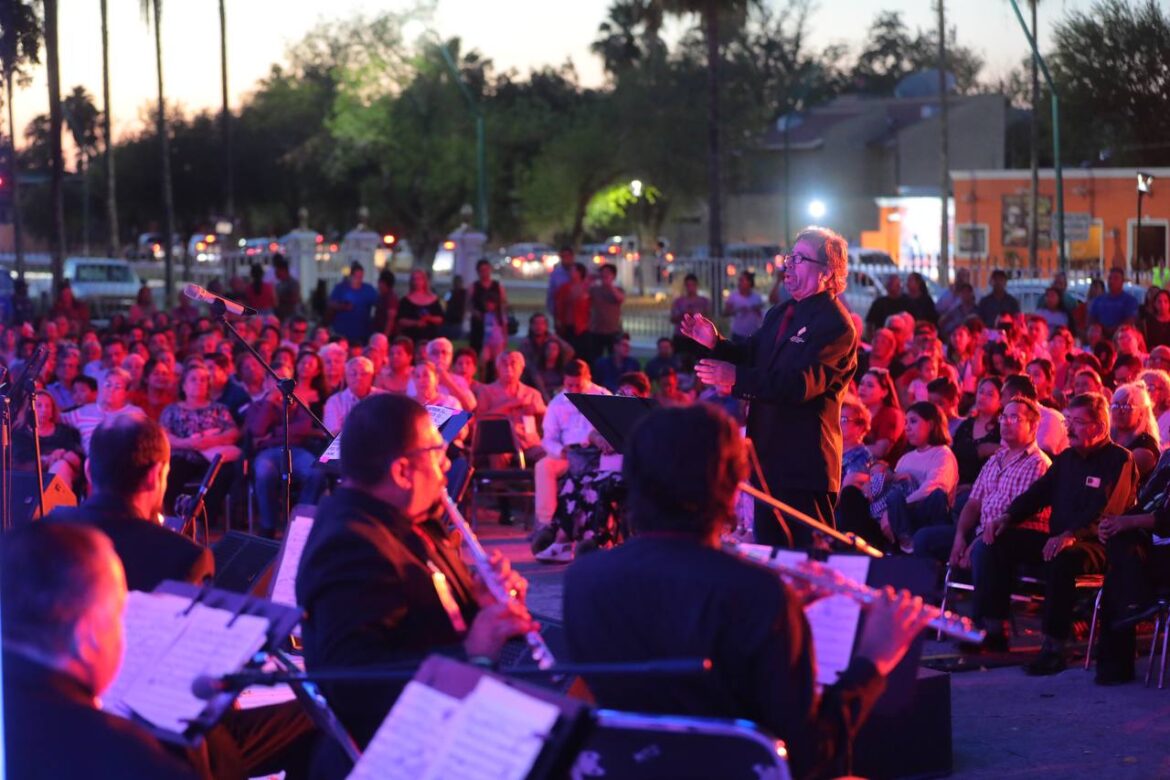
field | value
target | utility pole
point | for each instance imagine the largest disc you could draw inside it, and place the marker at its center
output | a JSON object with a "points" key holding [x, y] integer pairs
{"points": [[944, 251], [1034, 210]]}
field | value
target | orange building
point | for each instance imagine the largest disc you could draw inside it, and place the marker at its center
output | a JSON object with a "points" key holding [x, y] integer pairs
{"points": [[990, 209]]}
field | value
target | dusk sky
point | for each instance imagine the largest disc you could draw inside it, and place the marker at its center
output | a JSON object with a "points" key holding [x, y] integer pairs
{"points": [[514, 33]]}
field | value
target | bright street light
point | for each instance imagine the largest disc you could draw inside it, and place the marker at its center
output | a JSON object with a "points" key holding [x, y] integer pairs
{"points": [[636, 188], [817, 209]]}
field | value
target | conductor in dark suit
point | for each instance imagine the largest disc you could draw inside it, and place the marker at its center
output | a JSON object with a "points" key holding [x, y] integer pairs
{"points": [[671, 592], [380, 579], [128, 467], [794, 372], [63, 592]]}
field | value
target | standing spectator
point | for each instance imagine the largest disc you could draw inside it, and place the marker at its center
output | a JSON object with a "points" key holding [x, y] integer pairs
{"points": [[260, 295], [607, 370], [918, 301], [998, 301], [952, 297], [489, 317], [288, 289], [958, 314], [605, 316], [455, 308], [419, 312], [386, 310], [395, 377], [664, 359], [745, 306], [893, 302], [70, 307], [1156, 323], [560, 275], [351, 303], [113, 400], [359, 383], [1115, 308], [573, 309], [1051, 308], [198, 430], [690, 302]]}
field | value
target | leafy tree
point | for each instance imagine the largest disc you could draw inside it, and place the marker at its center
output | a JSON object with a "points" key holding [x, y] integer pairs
{"points": [[152, 13], [890, 53], [20, 43], [629, 34]]}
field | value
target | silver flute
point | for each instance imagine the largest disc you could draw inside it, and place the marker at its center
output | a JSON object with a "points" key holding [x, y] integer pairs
{"points": [[491, 579], [826, 579]]}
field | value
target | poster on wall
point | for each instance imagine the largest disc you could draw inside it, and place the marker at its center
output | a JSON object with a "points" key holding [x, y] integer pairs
{"points": [[1015, 220], [971, 240]]}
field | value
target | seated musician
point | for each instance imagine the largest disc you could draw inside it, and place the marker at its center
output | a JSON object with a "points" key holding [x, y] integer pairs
{"points": [[1092, 478], [670, 591], [380, 580], [63, 591]]}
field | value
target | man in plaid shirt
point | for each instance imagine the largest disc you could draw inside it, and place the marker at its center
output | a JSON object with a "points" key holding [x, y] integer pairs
{"points": [[998, 548]]}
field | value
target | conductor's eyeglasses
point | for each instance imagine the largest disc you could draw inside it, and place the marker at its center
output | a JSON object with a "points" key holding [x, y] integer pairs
{"points": [[795, 259]]}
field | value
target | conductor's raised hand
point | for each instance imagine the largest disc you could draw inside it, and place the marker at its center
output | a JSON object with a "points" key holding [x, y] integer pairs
{"points": [[494, 625], [699, 328], [891, 625], [715, 373]]}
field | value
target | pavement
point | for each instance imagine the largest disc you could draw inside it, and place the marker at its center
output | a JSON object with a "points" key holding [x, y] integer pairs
{"points": [[1004, 723]]}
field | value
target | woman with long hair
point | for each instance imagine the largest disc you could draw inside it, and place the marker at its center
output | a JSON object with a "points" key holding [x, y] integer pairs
{"points": [[61, 451], [310, 376], [876, 390], [198, 430], [1157, 383], [1132, 425], [1156, 320], [977, 437], [930, 469], [420, 313]]}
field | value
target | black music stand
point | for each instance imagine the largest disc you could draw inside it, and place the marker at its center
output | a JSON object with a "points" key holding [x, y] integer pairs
{"points": [[612, 416]]}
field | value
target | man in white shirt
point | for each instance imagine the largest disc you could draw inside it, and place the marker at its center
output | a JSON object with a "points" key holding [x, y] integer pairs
{"points": [[113, 400], [359, 383], [1052, 436], [564, 426]]}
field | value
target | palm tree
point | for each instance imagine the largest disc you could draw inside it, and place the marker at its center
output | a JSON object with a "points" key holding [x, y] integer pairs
{"points": [[228, 184], [82, 117], [152, 12], [20, 44], [728, 14], [112, 242], [57, 178], [628, 25]]}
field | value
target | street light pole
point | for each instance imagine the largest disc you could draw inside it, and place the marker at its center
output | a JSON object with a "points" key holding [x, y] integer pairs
{"points": [[480, 154], [1144, 180]]}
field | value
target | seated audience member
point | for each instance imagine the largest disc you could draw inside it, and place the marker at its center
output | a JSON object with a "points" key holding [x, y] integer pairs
{"points": [[378, 351], [682, 470], [441, 354], [887, 423], [1092, 478], [1159, 357], [465, 366], [1043, 376], [425, 388], [198, 430], [522, 405], [609, 368], [668, 392], [159, 392], [333, 359], [721, 396], [1157, 384], [67, 369], [395, 377], [1053, 436], [1088, 380], [977, 436], [366, 577], [662, 360], [61, 452], [62, 594], [538, 338], [548, 373], [1134, 426], [929, 466], [111, 402], [564, 428], [856, 458], [224, 389], [944, 393], [1007, 474], [359, 383], [1125, 369], [311, 385], [264, 426]]}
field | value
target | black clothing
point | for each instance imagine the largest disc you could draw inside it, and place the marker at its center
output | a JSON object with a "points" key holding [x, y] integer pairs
{"points": [[663, 595], [795, 385], [1157, 333], [966, 449], [882, 308], [1138, 571], [1080, 489], [365, 581], [64, 437], [990, 307], [150, 553], [480, 297], [922, 308], [54, 730], [409, 310]]}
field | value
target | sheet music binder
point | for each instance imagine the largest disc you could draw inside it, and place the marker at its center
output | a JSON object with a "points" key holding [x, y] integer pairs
{"points": [[560, 747], [242, 560], [613, 416]]}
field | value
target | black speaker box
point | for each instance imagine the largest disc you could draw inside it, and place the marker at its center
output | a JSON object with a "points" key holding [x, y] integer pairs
{"points": [[26, 507], [913, 741]]}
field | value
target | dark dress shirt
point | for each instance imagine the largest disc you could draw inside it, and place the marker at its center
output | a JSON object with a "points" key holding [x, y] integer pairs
{"points": [[150, 553], [365, 582], [795, 388], [669, 596], [53, 729], [1081, 489]]}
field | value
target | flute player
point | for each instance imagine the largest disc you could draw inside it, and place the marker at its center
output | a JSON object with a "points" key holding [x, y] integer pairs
{"points": [[671, 592], [380, 579]]}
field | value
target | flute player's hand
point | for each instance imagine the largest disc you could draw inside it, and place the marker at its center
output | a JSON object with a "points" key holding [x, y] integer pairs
{"points": [[891, 625], [495, 625]]}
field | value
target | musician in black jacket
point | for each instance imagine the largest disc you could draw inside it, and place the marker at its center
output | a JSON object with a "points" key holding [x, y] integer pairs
{"points": [[380, 580], [671, 592], [63, 592], [794, 371]]}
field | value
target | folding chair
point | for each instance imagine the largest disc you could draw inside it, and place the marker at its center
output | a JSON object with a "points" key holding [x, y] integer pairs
{"points": [[494, 436]]}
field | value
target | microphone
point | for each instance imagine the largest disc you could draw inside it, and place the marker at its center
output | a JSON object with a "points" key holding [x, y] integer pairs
{"points": [[207, 687], [197, 293]]}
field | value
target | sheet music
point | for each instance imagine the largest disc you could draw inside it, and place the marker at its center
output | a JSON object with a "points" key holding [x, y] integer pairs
{"points": [[834, 621], [284, 587], [409, 739], [207, 645], [332, 452], [440, 414], [149, 628], [495, 733]]}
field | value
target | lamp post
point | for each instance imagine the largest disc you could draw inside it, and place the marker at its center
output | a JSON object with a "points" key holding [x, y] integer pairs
{"points": [[1144, 182], [417, 29]]}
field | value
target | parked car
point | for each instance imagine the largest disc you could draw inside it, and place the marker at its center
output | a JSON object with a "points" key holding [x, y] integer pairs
{"points": [[529, 259]]}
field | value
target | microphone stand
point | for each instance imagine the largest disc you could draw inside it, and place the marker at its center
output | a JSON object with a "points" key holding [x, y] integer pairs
{"points": [[288, 396]]}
